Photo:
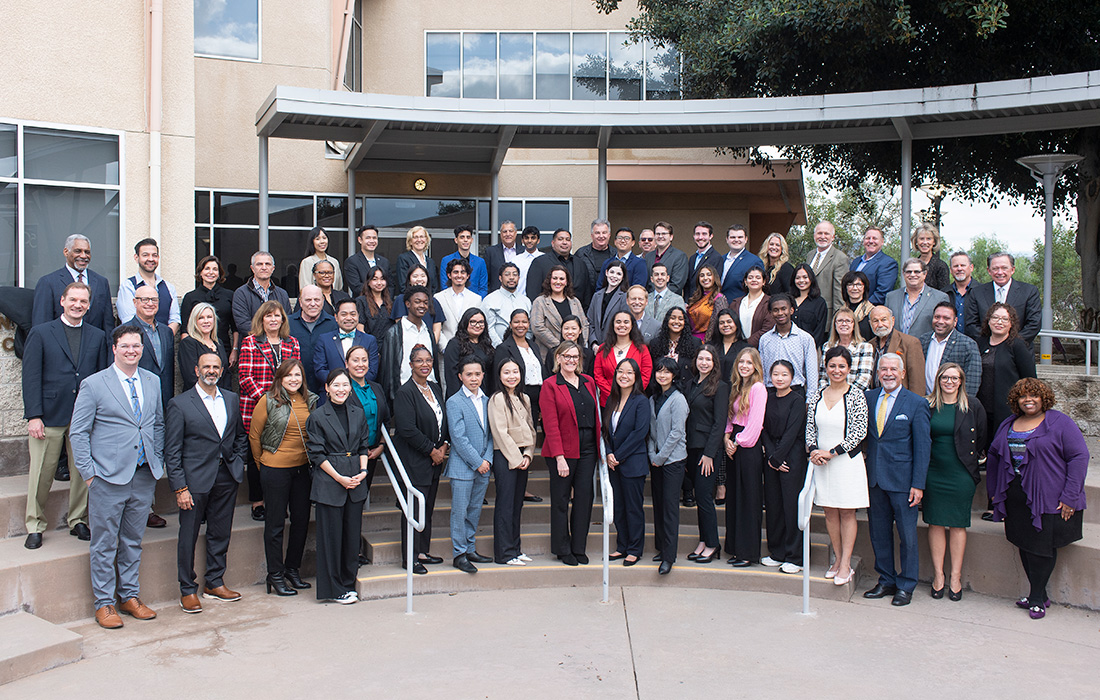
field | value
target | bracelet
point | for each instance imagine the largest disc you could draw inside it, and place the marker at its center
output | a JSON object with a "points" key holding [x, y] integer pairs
{"points": [[178, 491]]}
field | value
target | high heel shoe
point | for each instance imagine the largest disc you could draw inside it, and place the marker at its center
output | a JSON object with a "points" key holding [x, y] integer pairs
{"points": [[295, 580], [955, 595], [693, 556], [937, 593], [701, 559], [278, 583], [839, 580]]}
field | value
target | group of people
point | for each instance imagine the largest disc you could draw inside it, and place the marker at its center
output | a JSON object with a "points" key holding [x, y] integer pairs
{"points": [[720, 377]]}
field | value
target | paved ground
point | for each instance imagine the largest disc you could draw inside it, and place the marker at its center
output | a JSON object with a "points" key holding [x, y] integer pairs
{"points": [[554, 643]]}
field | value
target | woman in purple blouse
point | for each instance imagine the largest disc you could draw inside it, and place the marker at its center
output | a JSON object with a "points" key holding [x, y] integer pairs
{"points": [[1036, 480]]}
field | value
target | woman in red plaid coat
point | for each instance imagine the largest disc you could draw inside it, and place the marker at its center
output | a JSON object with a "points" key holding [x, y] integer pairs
{"points": [[267, 346]]}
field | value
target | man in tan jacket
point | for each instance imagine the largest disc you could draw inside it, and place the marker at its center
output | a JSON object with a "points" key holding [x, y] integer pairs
{"points": [[890, 339], [829, 264]]}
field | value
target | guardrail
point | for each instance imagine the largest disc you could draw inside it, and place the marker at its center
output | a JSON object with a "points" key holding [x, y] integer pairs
{"points": [[805, 510], [390, 461], [1087, 338], [607, 496]]}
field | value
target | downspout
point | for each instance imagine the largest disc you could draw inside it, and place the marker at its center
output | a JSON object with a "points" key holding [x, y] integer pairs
{"points": [[156, 103]]}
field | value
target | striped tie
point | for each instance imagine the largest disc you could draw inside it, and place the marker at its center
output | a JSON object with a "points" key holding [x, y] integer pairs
{"points": [[137, 416]]}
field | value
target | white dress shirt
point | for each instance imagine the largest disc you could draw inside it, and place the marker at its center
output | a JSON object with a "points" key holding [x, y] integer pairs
{"points": [[478, 406], [125, 381], [215, 406], [932, 361], [411, 336]]}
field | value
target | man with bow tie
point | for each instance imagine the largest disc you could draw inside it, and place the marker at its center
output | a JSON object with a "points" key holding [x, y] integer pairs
{"points": [[331, 349]]}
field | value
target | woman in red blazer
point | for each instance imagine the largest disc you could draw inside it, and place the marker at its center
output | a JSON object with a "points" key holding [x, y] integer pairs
{"points": [[622, 341], [571, 421]]}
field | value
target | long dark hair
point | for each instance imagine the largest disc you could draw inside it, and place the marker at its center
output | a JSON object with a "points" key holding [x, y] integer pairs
{"points": [[616, 391], [609, 334], [313, 233], [714, 336], [387, 300], [683, 344], [568, 291], [814, 291], [510, 396], [698, 293], [714, 377], [277, 392], [466, 344], [602, 282]]}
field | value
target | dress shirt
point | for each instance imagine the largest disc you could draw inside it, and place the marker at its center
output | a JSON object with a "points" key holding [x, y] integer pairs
{"points": [[509, 254], [264, 292], [411, 336], [498, 307], [889, 398], [125, 381], [215, 405], [698, 257], [932, 361], [476, 398], [863, 260], [819, 256], [1001, 293], [746, 310], [345, 343], [796, 347], [908, 310], [532, 366], [523, 261], [960, 304], [78, 275], [153, 337], [728, 262]]}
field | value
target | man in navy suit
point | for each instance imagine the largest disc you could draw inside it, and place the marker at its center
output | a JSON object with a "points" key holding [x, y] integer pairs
{"points": [[78, 255], [705, 254], [1021, 296], [899, 442], [308, 324], [736, 263], [470, 463], [332, 348], [880, 268], [57, 357], [636, 270]]}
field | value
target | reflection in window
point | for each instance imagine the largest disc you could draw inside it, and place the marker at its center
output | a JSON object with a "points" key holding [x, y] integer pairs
{"points": [[234, 247], [626, 66], [332, 212], [517, 65], [236, 208], [589, 66], [353, 68], [52, 213], [662, 73], [8, 167], [479, 64], [9, 239], [228, 28], [290, 210], [51, 154], [548, 216], [552, 66], [443, 64]]}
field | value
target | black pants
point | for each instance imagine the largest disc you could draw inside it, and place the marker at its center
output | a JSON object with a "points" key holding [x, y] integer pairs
{"points": [[629, 512], [704, 497], [216, 507], [286, 488], [1038, 569], [422, 541], [664, 486], [255, 482], [339, 532], [569, 531], [533, 392], [781, 491], [510, 485], [745, 502]]}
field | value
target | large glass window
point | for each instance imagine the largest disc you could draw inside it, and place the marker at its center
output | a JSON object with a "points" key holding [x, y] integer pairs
{"points": [[479, 64], [9, 232], [228, 28], [443, 64], [52, 213], [8, 160], [662, 73], [552, 66], [625, 71], [517, 66], [590, 66], [49, 154], [353, 68]]}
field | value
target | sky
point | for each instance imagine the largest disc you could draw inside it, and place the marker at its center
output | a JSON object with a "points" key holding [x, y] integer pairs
{"points": [[1018, 225]]}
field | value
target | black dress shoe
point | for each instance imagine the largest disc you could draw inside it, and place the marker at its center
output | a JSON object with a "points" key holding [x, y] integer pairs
{"points": [[615, 557], [258, 513], [657, 557], [294, 578], [708, 559], [937, 593], [418, 568], [987, 516], [627, 562], [741, 563], [689, 502], [155, 521], [62, 472], [902, 598], [81, 532], [880, 590], [429, 559], [478, 558], [666, 566], [34, 540], [568, 559], [277, 583], [533, 499], [581, 558], [462, 563], [364, 560]]}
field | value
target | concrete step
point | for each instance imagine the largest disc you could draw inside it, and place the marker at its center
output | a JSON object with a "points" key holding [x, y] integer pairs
{"points": [[30, 645], [381, 491]]}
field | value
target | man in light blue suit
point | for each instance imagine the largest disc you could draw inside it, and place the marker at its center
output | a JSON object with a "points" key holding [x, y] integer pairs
{"points": [[117, 438], [899, 442], [470, 463], [880, 268]]}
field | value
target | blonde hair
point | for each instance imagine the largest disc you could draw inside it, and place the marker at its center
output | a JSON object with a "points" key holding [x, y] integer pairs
{"points": [[834, 337], [935, 399], [741, 387], [784, 255], [926, 228], [193, 321], [412, 232]]}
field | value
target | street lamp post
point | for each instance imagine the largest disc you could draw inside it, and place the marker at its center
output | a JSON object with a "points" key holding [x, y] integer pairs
{"points": [[1045, 169]]}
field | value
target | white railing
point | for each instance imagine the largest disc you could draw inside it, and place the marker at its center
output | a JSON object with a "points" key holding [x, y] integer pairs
{"points": [[391, 461], [608, 499], [805, 510], [1087, 338]]}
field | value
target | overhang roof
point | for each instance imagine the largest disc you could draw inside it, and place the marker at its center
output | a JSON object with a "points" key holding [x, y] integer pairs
{"points": [[395, 133]]}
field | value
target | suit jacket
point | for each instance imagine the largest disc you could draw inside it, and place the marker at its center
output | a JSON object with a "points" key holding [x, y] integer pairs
{"points": [[599, 315], [417, 433], [712, 257], [637, 272], [667, 441], [328, 354], [962, 350], [922, 311], [494, 258], [193, 448], [762, 321], [627, 440], [1021, 296], [971, 436], [676, 261], [829, 272], [166, 368], [707, 418], [649, 327], [52, 376], [578, 272], [731, 281], [897, 460], [882, 275], [909, 348], [559, 417], [326, 439], [659, 309], [406, 261], [471, 441], [309, 340], [356, 269], [546, 323], [389, 371], [47, 299], [104, 435]]}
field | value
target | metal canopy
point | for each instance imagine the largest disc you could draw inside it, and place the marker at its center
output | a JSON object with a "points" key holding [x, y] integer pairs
{"points": [[393, 133]]}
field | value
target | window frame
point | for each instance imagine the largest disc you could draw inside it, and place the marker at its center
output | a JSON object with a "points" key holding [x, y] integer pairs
{"points": [[259, 41]]}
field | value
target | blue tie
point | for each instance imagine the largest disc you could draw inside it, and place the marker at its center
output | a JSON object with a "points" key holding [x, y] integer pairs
{"points": [[137, 416]]}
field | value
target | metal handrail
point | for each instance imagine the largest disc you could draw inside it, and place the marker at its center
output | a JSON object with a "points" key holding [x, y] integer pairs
{"points": [[419, 502], [1089, 338], [805, 510], [608, 498]]}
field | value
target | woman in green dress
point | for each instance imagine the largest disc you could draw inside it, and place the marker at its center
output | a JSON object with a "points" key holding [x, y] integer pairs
{"points": [[958, 440]]}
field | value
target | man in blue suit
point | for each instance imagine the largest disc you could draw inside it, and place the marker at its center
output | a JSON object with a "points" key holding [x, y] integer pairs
{"points": [[57, 357], [736, 263], [899, 442], [470, 463], [332, 348], [636, 270], [48, 291], [308, 324], [880, 268]]}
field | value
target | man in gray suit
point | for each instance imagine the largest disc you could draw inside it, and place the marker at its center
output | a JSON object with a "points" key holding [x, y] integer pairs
{"points": [[117, 438], [829, 264], [674, 259], [913, 304], [663, 298], [470, 463]]}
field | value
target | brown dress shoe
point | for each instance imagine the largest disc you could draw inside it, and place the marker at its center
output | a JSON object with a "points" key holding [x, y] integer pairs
{"points": [[190, 603], [108, 618], [156, 521], [221, 593], [135, 608]]}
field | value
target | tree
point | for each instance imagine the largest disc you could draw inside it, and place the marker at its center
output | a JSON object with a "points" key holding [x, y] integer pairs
{"points": [[750, 48], [1065, 297]]}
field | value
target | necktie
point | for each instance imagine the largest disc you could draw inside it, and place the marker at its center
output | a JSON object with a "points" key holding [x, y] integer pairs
{"points": [[137, 416], [816, 262], [80, 277], [350, 335], [1001, 294], [880, 419]]}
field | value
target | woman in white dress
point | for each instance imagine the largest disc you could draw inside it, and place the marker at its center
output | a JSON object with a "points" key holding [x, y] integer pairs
{"points": [[838, 423]]}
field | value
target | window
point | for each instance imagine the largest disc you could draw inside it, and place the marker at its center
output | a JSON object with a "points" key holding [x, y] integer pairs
{"points": [[546, 215], [353, 68], [549, 66], [55, 182], [228, 29]]}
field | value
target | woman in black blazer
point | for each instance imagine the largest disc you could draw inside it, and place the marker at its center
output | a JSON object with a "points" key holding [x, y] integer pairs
{"points": [[471, 340], [338, 437], [626, 427], [726, 338], [523, 352], [369, 396], [1006, 359], [209, 277], [421, 442], [811, 312], [201, 335], [708, 398]]}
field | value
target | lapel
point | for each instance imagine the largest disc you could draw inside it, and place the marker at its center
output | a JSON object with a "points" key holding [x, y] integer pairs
{"points": [[113, 386], [61, 340], [330, 416], [268, 354], [893, 411], [196, 402]]}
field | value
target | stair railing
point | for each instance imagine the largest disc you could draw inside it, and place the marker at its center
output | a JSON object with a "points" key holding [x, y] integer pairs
{"points": [[805, 510], [401, 486]]}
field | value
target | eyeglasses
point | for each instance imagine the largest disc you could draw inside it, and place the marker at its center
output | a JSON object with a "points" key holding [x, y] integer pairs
{"points": [[476, 322], [949, 378], [844, 322], [146, 300], [570, 358], [914, 272], [324, 273], [624, 238]]}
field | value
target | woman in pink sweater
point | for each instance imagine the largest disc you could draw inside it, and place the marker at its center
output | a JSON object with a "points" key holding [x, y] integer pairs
{"points": [[745, 463]]}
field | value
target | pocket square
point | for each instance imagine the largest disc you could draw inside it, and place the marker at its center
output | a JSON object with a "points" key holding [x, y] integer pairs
{"points": [[901, 416]]}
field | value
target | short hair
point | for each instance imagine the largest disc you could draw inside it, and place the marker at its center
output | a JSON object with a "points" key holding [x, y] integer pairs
{"points": [[926, 227], [893, 357], [258, 319], [737, 227], [259, 253], [946, 305], [463, 227], [120, 331], [206, 261], [884, 307], [458, 261], [669, 365], [344, 302], [561, 230], [705, 224], [419, 348], [313, 270], [564, 347], [918, 261], [1030, 386], [74, 237], [841, 352], [656, 265], [412, 232], [880, 232], [416, 289], [601, 222], [662, 224], [193, 320], [506, 222], [211, 353], [76, 287], [628, 230], [467, 360], [962, 253], [366, 227], [776, 298], [505, 266], [639, 287], [144, 242], [1000, 254], [532, 231]]}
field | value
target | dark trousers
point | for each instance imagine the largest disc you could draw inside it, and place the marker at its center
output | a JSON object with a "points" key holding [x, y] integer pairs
{"points": [[569, 531], [887, 509], [629, 512], [745, 502], [533, 392], [781, 491], [285, 489], [255, 482], [688, 482], [339, 531], [664, 486], [510, 485], [216, 507], [704, 497], [1038, 569], [422, 541]]}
